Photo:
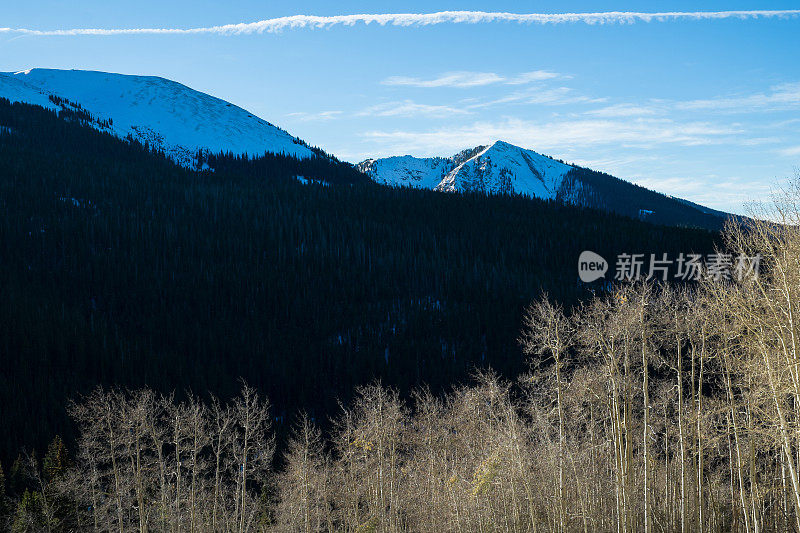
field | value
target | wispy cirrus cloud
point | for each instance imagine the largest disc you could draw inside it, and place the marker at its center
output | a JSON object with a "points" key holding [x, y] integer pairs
{"points": [[623, 110], [557, 136], [450, 79], [782, 97], [533, 76], [409, 108], [310, 117], [538, 95], [792, 151], [275, 25], [711, 190], [404, 108], [778, 97], [466, 79]]}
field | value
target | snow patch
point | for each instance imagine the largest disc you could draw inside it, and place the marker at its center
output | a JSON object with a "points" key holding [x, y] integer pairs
{"points": [[311, 181], [77, 202]]}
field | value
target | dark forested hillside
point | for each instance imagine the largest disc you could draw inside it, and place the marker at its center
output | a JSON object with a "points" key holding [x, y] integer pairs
{"points": [[117, 266], [269, 167], [603, 191]]}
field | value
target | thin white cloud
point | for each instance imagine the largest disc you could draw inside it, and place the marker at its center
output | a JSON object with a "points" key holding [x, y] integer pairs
{"points": [[779, 97], [785, 96], [761, 141], [275, 25], [450, 79], [465, 79], [624, 160], [538, 95], [555, 136], [622, 110], [792, 151], [311, 117], [408, 108], [530, 77], [728, 194]]}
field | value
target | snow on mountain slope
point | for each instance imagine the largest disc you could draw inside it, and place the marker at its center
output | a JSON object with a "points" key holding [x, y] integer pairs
{"points": [[170, 116], [16, 89], [408, 171], [499, 168], [505, 168]]}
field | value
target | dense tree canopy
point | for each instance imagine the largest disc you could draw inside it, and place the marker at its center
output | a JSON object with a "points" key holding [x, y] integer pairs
{"points": [[119, 267]]}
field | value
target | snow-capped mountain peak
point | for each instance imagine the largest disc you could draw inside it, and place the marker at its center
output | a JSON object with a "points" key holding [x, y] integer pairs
{"points": [[166, 114], [497, 168]]}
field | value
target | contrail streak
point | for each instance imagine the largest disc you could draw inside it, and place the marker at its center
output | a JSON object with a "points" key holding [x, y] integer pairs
{"points": [[276, 25]]}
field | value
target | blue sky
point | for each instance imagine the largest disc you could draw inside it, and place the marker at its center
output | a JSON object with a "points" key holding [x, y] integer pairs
{"points": [[708, 110]]}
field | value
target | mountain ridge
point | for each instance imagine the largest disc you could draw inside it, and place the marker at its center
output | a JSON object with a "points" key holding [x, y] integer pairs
{"points": [[166, 114], [498, 168], [503, 168], [190, 127]]}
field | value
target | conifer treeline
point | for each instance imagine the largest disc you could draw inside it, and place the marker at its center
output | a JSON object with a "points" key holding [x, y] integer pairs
{"points": [[602, 191], [650, 408], [119, 268]]}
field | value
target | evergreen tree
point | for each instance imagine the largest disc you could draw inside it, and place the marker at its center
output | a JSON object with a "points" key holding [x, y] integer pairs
{"points": [[29, 515], [4, 503], [56, 460], [18, 480]]}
